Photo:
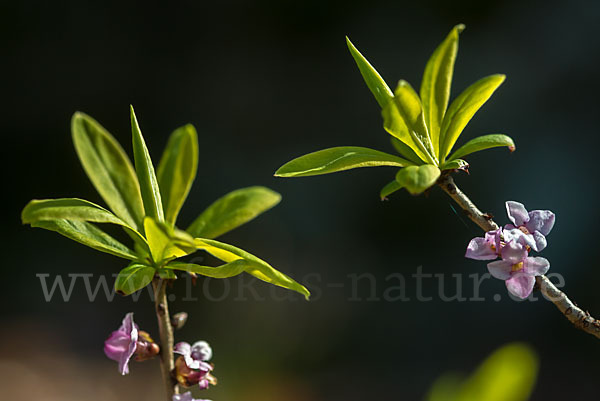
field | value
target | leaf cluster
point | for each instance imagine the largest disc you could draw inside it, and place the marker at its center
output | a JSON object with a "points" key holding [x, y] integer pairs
{"points": [[424, 129], [145, 203]]}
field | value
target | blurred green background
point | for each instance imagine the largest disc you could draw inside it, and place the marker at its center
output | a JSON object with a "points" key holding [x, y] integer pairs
{"points": [[266, 81]]}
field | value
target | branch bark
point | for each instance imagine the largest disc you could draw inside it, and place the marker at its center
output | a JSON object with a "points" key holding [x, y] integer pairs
{"points": [[577, 316], [165, 329]]}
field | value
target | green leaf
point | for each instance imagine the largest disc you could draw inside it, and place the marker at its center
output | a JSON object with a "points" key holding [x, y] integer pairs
{"points": [[108, 168], [69, 209], [165, 242], [233, 210], [177, 170], [509, 374], [257, 267], [224, 271], [403, 118], [376, 84], [338, 159], [145, 172], [436, 83], [405, 150], [455, 164], [167, 274], [463, 108], [133, 278], [87, 234], [77, 210], [389, 189], [482, 143], [417, 179]]}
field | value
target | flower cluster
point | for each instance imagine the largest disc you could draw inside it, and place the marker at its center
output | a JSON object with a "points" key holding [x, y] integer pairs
{"points": [[192, 366], [128, 341], [512, 244]]}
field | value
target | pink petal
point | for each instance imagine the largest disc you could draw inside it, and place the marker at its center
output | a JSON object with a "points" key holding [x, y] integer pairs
{"points": [[500, 269], [201, 350], [520, 285], [517, 213], [116, 344], [540, 241], [514, 253], [541, 220], [480, 249], [536, 266], [182, 348], [518, 236]]}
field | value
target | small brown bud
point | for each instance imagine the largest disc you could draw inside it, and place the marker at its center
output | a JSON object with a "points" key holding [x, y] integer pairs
{"points": [[179, 319]]}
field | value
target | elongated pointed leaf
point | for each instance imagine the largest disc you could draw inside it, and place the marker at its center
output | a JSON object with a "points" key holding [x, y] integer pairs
{"points": [[389, 189], [383, 94], [338, 159], [403, 118], [177, 170], [482, 143], [405, 151], [145, 172], [69, 209], [224, 271], [455, 164], [76, 210], [164, 243], [233, 210], [108, 168], [87, 234], [463, 108], [133, 278], [257, 267], [436, 83], [417, 179]]}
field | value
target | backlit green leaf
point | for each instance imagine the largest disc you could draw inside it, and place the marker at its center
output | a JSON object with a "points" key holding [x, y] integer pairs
{"points": [[224, 271], [417, 179], [69, 209], [389, 189], [482, 143], [177, 170], [87, 234], [165, 242], [403, 118], [108, 168], [436, 83], [509, 374], [233, 210], [77, 210], [405, 150], [455, 164], [133, 278], [376, 84], [145, 172], [463, 108], [338, 159], [257, 267]]}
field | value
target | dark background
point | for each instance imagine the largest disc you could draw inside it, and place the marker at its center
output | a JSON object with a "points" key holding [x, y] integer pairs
{"points": [[264, 82]]}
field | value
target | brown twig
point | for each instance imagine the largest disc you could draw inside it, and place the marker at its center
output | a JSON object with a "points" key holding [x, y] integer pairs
{"points": [[577, 316], [165, 330]]}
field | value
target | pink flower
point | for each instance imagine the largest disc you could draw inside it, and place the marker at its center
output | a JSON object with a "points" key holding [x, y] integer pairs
{"points": [[121, 344], [192, 366], [518, 269], [513, 244], [535, 225]]}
